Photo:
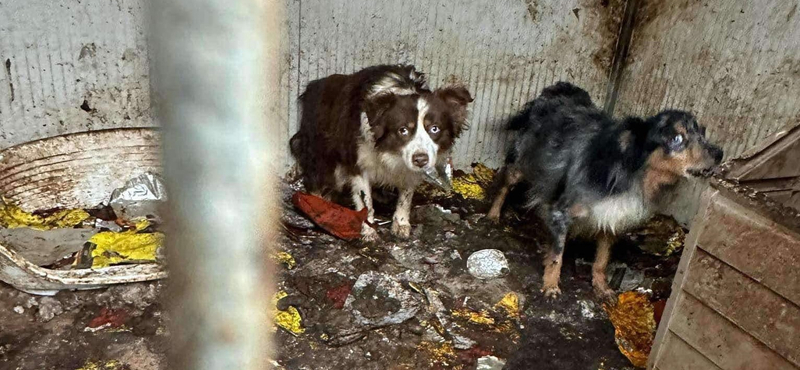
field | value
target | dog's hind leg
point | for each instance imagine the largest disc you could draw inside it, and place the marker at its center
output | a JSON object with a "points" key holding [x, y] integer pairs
{"points": [[558, 221], [362, 197], [606, 294], [511, 177]]}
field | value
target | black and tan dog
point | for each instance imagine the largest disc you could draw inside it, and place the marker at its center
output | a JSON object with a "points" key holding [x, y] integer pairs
{"points": [[593, 175]]}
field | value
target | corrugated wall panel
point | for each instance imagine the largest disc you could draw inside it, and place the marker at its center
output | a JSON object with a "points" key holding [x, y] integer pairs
{"points": [[735, 63], [56, 54], [505, 51]]}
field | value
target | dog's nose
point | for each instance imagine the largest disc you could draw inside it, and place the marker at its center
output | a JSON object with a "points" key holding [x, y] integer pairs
{"points": [[420, 159]]}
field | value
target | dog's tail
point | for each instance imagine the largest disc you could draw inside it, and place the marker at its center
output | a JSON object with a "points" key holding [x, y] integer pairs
{"points": [[551, 99]]}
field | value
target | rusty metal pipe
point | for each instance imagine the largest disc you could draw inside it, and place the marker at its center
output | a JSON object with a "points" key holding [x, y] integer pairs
{"points": [[214, 82]]}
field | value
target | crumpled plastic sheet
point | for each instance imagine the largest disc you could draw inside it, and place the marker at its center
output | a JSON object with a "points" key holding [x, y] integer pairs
{"points": [[288, 319], [107, 365], [130, 246], [139, 197], [510, 303], [634, 326], [286, 259], [474, 185], [441, 176], [342, 222], [12, 217]]}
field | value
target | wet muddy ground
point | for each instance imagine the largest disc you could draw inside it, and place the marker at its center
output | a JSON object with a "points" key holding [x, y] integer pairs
{"points": [[391, 305]]}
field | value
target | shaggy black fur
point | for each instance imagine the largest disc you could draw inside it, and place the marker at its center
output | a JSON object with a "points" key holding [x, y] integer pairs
{"points": [[584, 166]]}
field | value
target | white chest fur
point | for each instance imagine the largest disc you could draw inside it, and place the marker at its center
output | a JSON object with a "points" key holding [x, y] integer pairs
{"points": [[617, 213]]}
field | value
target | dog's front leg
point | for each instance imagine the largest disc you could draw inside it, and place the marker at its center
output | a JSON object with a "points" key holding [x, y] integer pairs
{"points": [[606, 294], [401, 222], [362, 197]]}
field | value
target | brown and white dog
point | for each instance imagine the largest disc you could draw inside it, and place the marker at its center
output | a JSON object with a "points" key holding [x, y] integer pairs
{"points": [[379, 126]]}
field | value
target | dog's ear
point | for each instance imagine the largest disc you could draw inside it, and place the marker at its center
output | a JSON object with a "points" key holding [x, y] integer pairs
{"points": [[374, 108], [457, 97]]}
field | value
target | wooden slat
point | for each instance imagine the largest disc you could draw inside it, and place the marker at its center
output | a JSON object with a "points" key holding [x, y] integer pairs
{"points": [[779, 164], [753, 245], [757, 310], [677, 355], [721, 341], [698, 227]]}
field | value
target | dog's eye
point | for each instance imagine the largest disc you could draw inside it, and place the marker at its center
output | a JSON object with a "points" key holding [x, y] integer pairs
{"points": [[676, 141], [434, 129], [403, 131]]}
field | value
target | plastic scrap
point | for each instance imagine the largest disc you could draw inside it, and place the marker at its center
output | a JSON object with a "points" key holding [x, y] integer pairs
{"points": [[107, 365], [490, 363], [472, 186], [288, 319], [286, 259], [12, 216], [441, 354], [510, 303], [487, 264], [107, 319], [634, 326], [482, 317], [441, 176], [125, 247], [340, 221], [139, 197]]}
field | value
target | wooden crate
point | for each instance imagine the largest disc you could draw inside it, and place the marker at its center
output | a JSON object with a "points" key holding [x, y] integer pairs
{"points": [[735, 302]]}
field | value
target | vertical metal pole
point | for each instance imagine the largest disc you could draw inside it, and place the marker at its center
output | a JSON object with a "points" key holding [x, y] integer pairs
{"points": [[215, 78]]}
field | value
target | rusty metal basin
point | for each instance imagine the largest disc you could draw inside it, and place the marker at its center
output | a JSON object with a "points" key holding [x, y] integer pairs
{"points": [[74, 171]]}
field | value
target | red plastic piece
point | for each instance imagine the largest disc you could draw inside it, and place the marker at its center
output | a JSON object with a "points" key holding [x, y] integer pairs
{"points": [[340, 221]]}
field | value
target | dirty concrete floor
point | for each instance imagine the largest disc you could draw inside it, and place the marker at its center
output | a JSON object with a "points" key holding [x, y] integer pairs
{"points": [[391, 305], [571, 332]]}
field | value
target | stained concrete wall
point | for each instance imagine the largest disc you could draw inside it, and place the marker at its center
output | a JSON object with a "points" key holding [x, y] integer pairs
{"points": [[71, 66], [60, 54], [505, 51], [734, 63]]}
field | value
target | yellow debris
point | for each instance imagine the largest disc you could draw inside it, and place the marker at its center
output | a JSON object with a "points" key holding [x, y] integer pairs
{"points": [[12, 216], [472, 186], [288, 319], [126, 246], [510, 303], [483, 174], [108, 365], [286, 259], [634, 326], [441, 354], [467, 187], [474, 317], [674, 244]]}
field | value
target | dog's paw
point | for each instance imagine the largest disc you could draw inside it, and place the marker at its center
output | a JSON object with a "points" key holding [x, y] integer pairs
{"points": [[606, 295], [402, 231], [369, 235], [493, 217], [551, 292]]}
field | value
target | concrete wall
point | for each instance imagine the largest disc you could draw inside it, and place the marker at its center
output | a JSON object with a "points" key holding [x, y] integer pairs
{"points": [[505, 51], [61, 53], [68, 66], [734, 63]]}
